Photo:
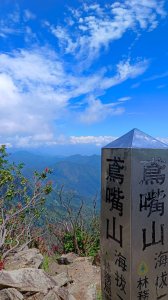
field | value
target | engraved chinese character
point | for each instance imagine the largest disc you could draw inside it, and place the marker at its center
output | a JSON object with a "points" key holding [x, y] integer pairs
{"points": [[142, 283], [154, 241], [107, 283], [152, 203], [119, 297], [120, 281], [143, 295], [153, 172], [107, 280], [161, 259], [115, 167], [161, 281], [121, 261], [113, 236], [113, 196]]}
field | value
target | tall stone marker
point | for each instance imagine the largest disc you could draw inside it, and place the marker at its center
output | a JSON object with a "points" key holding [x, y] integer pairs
{"points": [[134, 218]]}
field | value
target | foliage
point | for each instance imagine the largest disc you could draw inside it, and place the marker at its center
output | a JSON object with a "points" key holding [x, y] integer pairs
{"points": [[78, 229], [87, 243], [99, 295], [21, 204], [45, 264], [22, 201]]}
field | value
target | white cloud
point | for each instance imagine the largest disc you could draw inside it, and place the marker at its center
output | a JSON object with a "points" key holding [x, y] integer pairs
{"points": [[9, 24], [125, 70], [36, 90], [96, 111], [157, 76], [28, 15], [123, 99], [35, 141], [92, 140], [9, 96], [95, 26], [37, 87]]}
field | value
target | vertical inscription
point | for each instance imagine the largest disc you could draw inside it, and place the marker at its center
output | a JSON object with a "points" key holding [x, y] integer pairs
{"points": [[115, 202], [152, 208]]}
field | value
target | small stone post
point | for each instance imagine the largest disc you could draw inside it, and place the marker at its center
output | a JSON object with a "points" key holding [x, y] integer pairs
{"points": [[134, 218]]}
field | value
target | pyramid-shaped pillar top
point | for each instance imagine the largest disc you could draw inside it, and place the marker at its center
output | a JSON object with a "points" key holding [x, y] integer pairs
{"points": [[137, 139]]}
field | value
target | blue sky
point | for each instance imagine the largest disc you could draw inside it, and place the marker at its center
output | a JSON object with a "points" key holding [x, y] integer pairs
{"points": [[74, 75]]}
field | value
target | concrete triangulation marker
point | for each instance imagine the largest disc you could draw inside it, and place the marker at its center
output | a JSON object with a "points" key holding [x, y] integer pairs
{"points": [[134, 218]]}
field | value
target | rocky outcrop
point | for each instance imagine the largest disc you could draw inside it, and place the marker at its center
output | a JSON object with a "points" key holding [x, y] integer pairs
{"points": [[67, 259], [96, 259], [62, 279], [27, 279], [29, 258], [57, 294], [11, 294], [78, 279]]}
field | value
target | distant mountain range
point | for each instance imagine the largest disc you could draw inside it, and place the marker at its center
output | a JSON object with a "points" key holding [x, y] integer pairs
{"points": [[78, 173]]}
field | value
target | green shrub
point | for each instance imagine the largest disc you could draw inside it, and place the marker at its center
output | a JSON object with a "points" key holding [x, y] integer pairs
{"points": [[45, 264]]}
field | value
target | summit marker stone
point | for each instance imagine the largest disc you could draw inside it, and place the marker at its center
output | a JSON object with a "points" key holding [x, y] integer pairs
{"points": [[134, 218]]}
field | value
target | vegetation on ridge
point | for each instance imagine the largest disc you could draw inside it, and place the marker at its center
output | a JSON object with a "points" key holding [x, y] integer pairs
{"points": [[22, 210]]}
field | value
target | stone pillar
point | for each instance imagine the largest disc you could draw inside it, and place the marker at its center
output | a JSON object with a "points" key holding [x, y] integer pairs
{"points": [[134, 218]]}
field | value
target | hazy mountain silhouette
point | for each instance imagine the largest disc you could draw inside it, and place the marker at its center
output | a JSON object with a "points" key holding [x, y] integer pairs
{"points": [[77, 172]]}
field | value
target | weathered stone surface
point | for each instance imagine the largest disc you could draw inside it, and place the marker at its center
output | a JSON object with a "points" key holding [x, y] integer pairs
{"points": [[71, 297], [91, 292], [62, 279], [70, 256], [10, 294], [57, 294], [36, 296], [28, 258], [27, 279], [96, 259], [63, 261]]}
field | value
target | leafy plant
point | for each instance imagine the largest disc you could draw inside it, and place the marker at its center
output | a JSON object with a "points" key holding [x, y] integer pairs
{"points": [[77, 231], [21, 204], [45, 264]]}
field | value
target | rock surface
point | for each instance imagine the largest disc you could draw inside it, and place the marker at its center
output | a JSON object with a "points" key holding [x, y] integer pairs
{"points": [[77, 280], [62, 279], [27, 279], [57, 294], [85, 278], [10, 294], [70, 257], [96, 259], [29, 258], [37, 296]]}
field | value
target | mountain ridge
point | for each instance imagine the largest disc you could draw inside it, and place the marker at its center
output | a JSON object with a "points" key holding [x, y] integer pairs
{"points": [[80, 173]]}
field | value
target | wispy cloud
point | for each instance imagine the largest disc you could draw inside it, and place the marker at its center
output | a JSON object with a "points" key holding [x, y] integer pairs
{"points": [[35, 141], [15, 23], [157, 76], [93, 140], [123, 99], [40, 85], [96, 111], [28, 15], [95, 26], [35, 88], [9, 24]]}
